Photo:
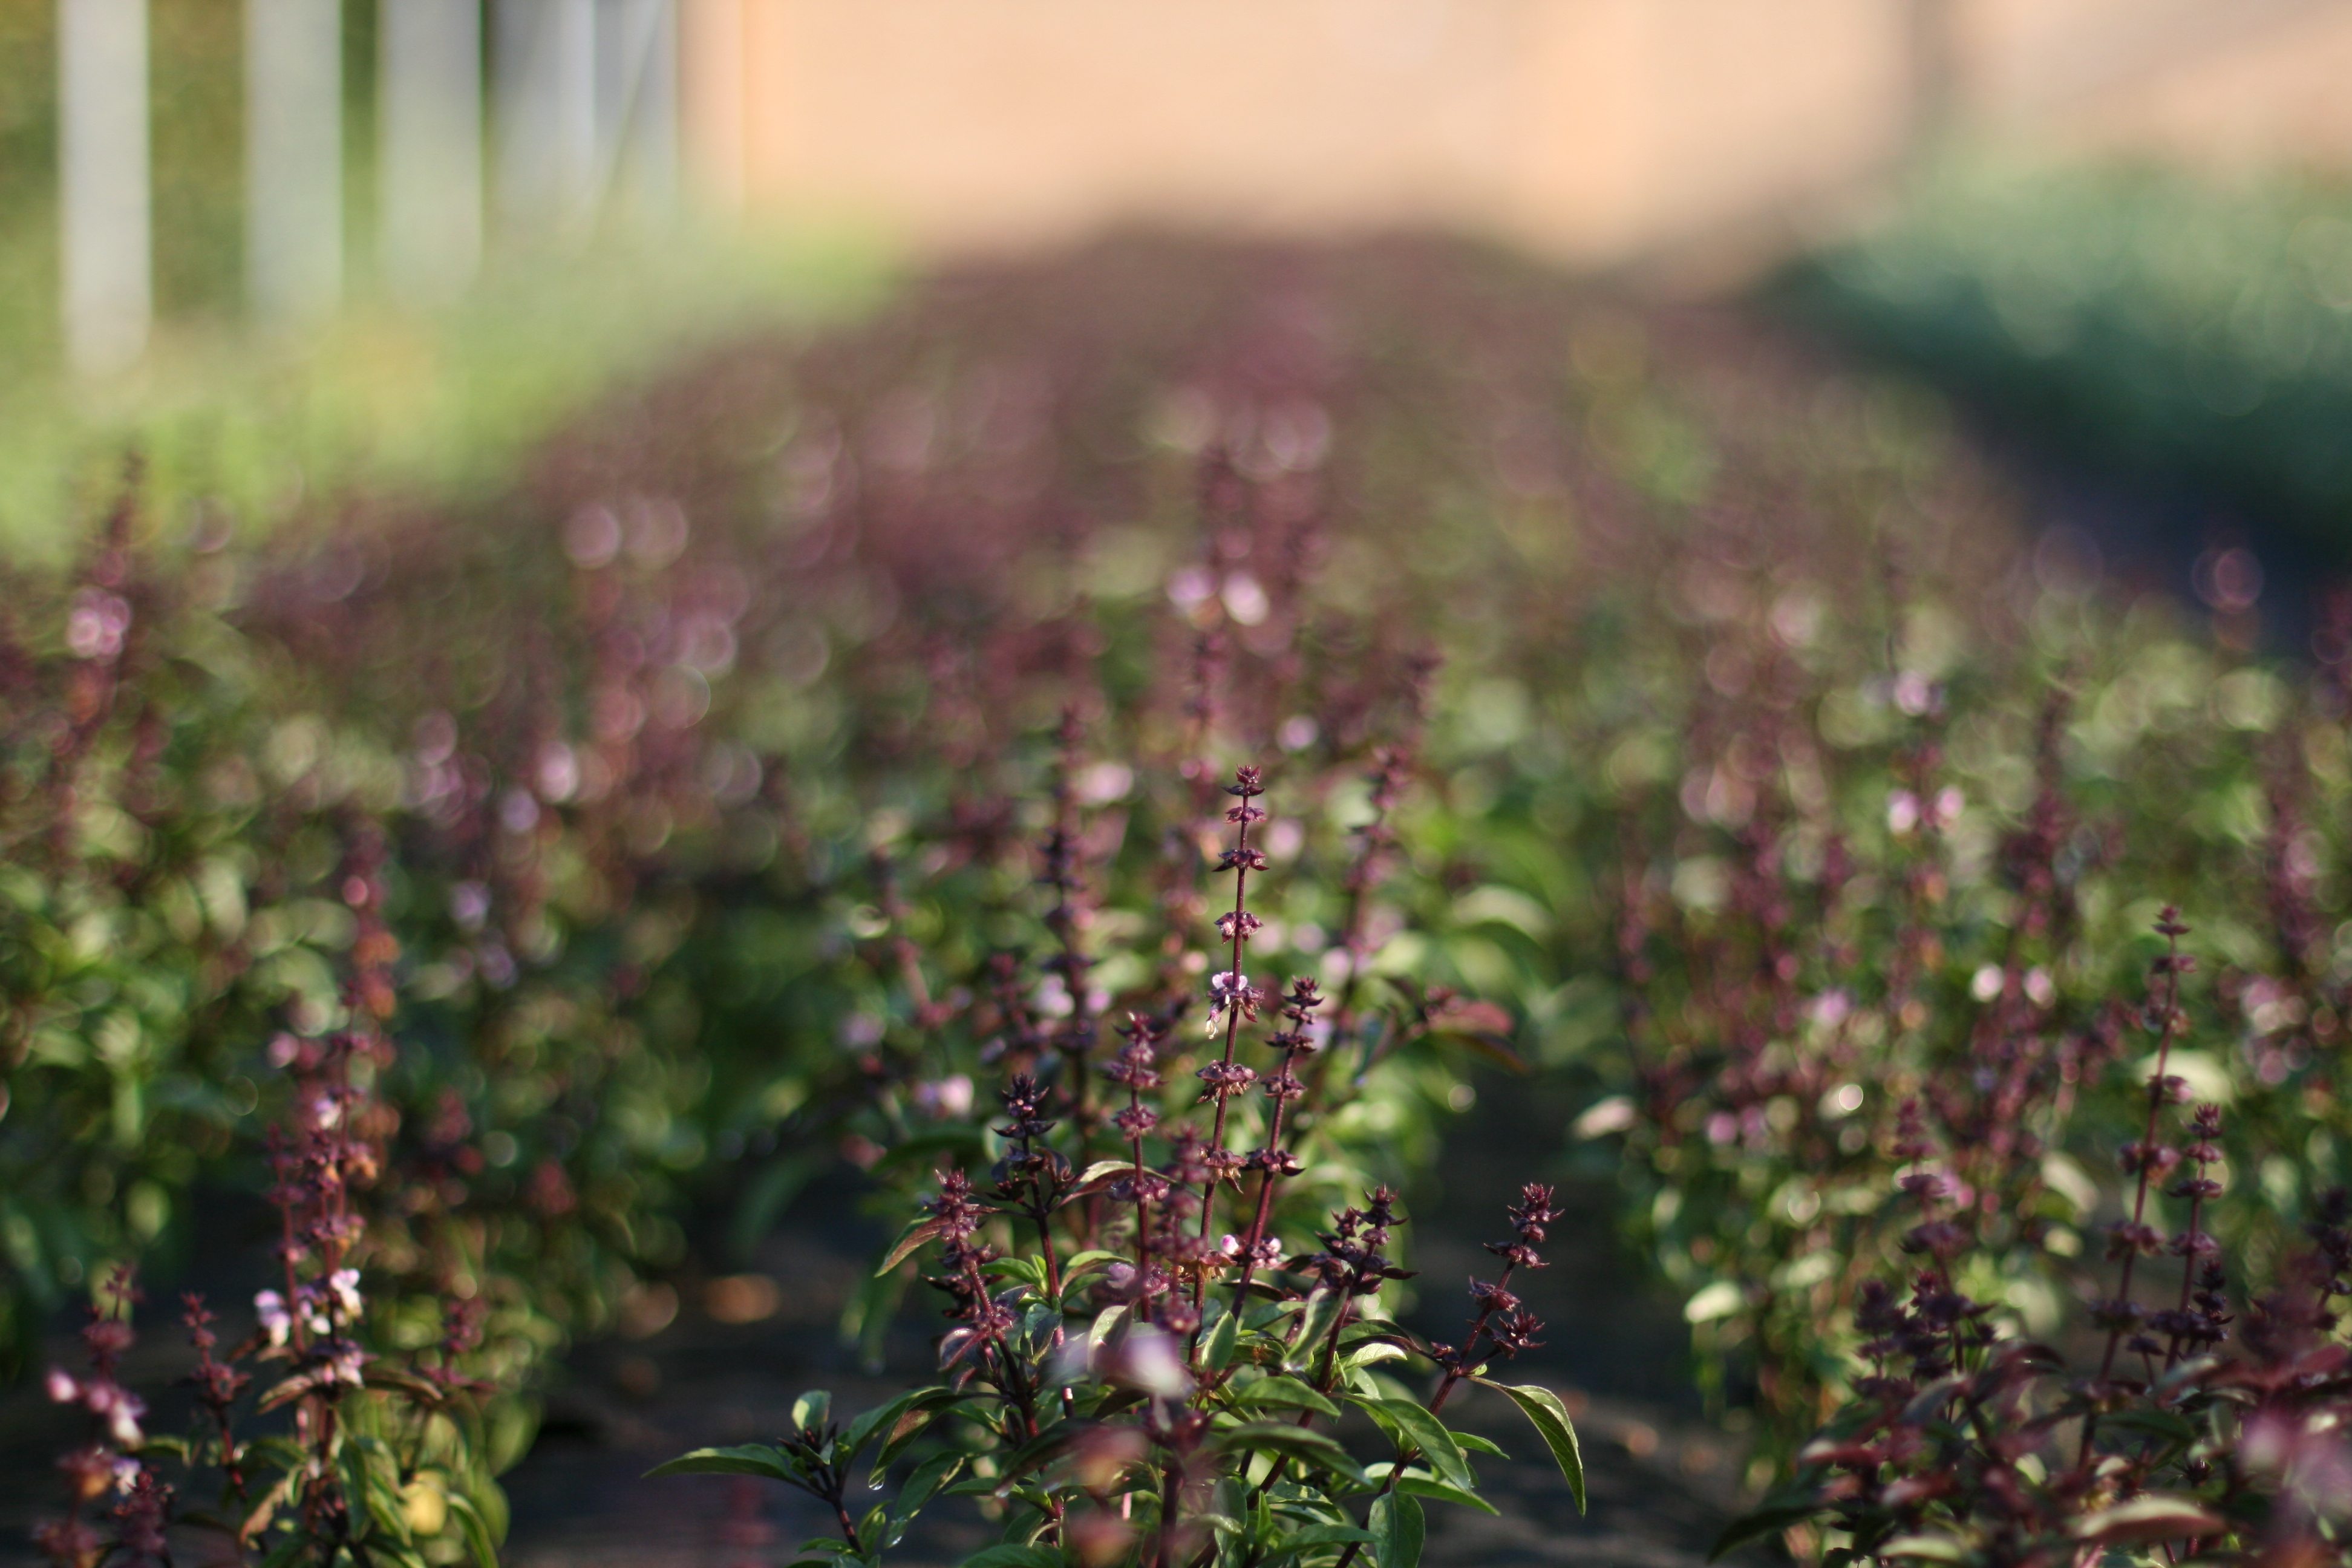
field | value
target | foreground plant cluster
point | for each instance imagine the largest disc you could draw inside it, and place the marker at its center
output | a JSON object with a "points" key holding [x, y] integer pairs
{"points": [[1130, 1383], [1105, 756]]}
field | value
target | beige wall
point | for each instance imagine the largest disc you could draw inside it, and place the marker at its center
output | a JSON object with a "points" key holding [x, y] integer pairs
{"points": [[2266, 96], [1596, 129]]}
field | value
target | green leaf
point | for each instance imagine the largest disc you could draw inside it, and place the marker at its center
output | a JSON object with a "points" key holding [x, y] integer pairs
{"points": [[1287, 1392], [810, 1410], [1314, 1320], [1308, 1447], [860, 1431], [1029, 1271], [1416, 1431], [479, 1539], [911, 1240], [899, 1423], [1086, 1262], [1720, 1299], [1100, 1174], [1007, 1554], [1544, 1411], [1416, 1484], [1929, 1548], [2159, 1515], [749, 1460], [929, 1478], [1474, 1444], [1398, 1529], [1217, 1345]]}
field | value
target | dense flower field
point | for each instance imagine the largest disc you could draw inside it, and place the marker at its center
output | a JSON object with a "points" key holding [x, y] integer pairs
{"points": [[835, 757]]}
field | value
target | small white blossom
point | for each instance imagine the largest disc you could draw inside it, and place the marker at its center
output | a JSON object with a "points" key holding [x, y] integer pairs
{"points": [[345, 1285], [276, 1321], [344, 1360], [119, 1409]]}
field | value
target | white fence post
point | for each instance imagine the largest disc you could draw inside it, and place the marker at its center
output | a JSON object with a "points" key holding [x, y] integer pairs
{"points": [[430, 177], [102, 174], [637, 100], [546, 111], [294, 158]]}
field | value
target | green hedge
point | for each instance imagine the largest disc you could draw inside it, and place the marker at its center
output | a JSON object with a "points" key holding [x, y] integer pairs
{"points": [[2188, 333]]}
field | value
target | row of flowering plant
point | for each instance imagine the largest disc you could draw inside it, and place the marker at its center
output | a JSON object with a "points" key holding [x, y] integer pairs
{"points": [[2200, 1416], [333, 1433], [1889, 910], [1150, 1354]]}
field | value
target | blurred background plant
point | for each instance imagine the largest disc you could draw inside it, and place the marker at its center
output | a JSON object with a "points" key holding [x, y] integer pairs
{"points": [[2192, 335]]}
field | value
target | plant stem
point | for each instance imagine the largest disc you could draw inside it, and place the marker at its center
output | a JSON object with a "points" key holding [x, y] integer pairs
{"points": [[2156, 1098], [1233, 1008]]}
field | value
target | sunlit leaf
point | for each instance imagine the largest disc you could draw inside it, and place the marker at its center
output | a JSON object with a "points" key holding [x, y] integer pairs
{"points": [[747, 1459], [911, 1240], [1550, 1417]]}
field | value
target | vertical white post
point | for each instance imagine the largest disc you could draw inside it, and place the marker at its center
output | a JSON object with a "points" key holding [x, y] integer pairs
{"points": [[546, 123], [637, 100], [102, 173], [430, 101], [294, 158]]}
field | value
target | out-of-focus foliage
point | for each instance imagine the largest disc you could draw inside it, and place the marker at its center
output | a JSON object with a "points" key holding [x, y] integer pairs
{"points": [[635, 736], [2178, 330], [1770, 781], [2208, 1422]]}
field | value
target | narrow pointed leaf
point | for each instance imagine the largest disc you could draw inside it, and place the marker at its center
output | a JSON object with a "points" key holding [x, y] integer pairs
{"points": [[1398, 1529], [1287, 1393], [913, 1239], [1322, 1310], [749, 1460], [1416, 1484], [2156, 1516], [1544, 1411], [1217, 1345], [1417, 1431]]}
